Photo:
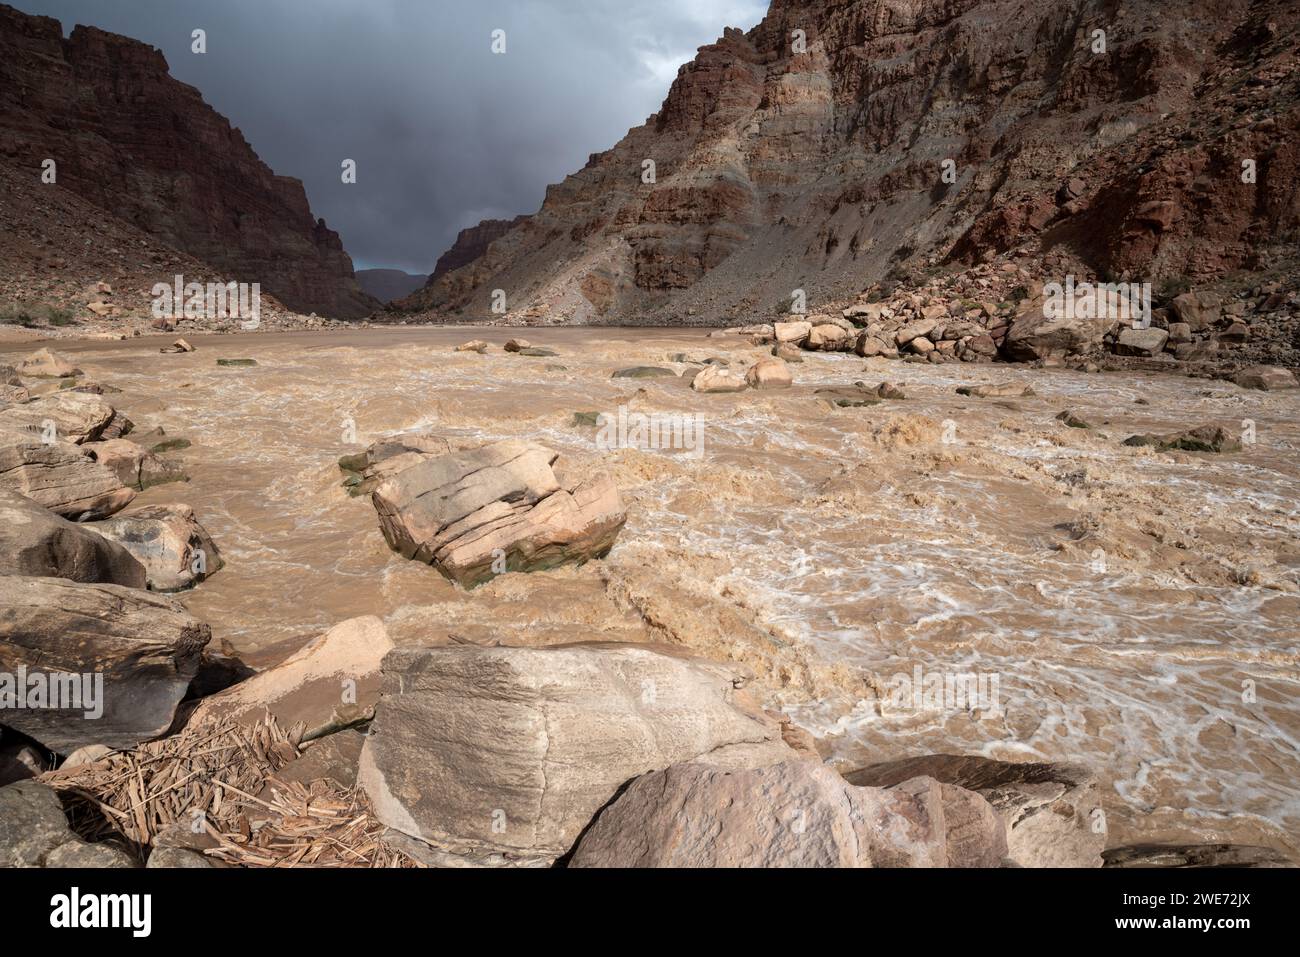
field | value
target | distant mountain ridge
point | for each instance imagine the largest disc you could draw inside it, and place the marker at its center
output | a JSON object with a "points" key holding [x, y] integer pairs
{"points": [[389, 284]]}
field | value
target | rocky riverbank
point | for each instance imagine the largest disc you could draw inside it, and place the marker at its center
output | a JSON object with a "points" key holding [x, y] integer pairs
{"points": [[448, 627]]}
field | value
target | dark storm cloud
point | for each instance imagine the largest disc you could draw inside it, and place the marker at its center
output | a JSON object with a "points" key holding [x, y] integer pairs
{"points": [[444, 132]]}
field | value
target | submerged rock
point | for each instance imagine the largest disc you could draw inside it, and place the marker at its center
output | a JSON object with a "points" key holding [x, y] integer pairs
{"points": [[542, 738], [713, 379], [1001, 390], [794, 814], [769, 374], [474, 515], [644, 372], [1207, 438]]}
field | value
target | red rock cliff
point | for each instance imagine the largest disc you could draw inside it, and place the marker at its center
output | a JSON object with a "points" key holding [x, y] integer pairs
{"points": [[147, 149]]}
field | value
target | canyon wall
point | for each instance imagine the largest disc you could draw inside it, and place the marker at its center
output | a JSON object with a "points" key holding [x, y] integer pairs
{"points": [[147, 149]]}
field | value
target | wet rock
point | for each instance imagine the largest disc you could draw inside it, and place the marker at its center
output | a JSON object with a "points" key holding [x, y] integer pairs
{"points": [[1052, 811], [74, 417], [852, 398], [1073, 421], [474, 345], [1266, 378], [585, 420], [716, 379], [144, 648], [644, 372], [1207, 438], [135, 466], [46, 364], [1141, 342], [537, 353], [61, 477], [518, 345], [1000, 390], [550, 734], [330, 683], [176, 551], [476, 514], [891, 390], [236, 363], [1195, 855], [794, 814], [769, 374], [787, 353]]}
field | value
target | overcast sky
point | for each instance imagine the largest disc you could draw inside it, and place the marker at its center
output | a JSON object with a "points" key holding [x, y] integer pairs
{"points": [[444, 132]]}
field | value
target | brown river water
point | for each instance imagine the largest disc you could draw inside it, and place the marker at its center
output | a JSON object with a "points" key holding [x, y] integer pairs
{"points": [[1132, 610]]}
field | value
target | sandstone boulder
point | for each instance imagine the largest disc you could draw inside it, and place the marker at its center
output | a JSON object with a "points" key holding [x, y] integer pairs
{"points": [[135, 467], [829, 338], [1266, 378], [717, 379], [474, 515], [794, 814], [61, 477], [518, 345], [1199, 310], [1033, 336], [46, 364], [1141, 342], [998, 390], [37, 543], [133, 655], [512, 751], [474, 345], [175, 550], [330, 683], [1052, 811], [769, 374], [793, 332], [366, 470], [68, 416]]}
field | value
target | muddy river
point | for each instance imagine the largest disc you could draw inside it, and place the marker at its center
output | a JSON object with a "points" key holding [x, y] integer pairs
{"points": [[933, 574]]}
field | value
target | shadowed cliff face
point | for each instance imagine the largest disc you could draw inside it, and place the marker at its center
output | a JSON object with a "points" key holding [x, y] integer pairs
{"points": [[818, 165], [147, 149]]}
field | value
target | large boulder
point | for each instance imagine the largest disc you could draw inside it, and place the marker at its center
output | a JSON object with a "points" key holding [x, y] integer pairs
{"points": [[1052, 811], [61, 477], [512, 751], [830, 337], [330, 683], [36, 542], [769, 374], [1034, 336], [795, 814], [1266, 378], [474, 515], [75, 417], [175, 550], [1141, 342], [128, 656]]}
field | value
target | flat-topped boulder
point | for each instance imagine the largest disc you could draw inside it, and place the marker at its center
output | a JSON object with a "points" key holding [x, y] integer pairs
{"points": [[794, 814], [364, 471], [175, 549], [61, 477], [36, 542], [500, 508], [135, 466], [47, 364], [68, 416], [512, 751], [132, 655]]}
